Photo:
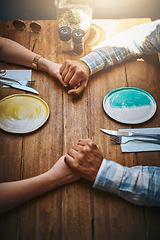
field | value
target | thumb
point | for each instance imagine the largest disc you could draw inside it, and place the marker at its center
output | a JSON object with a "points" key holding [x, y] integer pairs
{"points": [[69, 161], [78, 90], [59, 77]]}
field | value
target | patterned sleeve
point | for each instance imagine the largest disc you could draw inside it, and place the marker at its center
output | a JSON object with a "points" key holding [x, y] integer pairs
{"points": [[139, 185], [138, 40]]}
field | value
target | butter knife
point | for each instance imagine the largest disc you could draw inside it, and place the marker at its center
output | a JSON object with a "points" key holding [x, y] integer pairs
{"points": [[20, 87], [130, 134], [9, 79]]}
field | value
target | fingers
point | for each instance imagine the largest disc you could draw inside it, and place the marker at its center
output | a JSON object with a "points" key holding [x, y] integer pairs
{"points": [[59, 77], [62, 68], [78, 90], [72, 79], [75, 74], [89, 142], [83, 142], [85, 159], [70, 161], [67, 71], [77, 77]]}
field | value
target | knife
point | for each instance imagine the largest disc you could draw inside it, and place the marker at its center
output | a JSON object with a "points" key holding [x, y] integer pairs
{"points": [[9, 79], [130, 134], [21, 87]]}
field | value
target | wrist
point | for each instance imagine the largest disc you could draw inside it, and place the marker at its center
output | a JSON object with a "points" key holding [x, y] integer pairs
{"points": [[86, 67], [35, 61], [43, 64], [57, 177]]}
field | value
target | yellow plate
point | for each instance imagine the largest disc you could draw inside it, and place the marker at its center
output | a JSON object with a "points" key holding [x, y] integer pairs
{"points": [[22, 113]]}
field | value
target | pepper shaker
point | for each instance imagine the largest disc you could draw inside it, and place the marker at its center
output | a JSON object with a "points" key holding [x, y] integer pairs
{"points": [[65, 36], [78, 43]]}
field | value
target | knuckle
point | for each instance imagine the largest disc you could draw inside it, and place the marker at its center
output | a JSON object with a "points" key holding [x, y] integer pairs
{"points": [[81, 157], [69, 151], [67, 61], [92, 144], [84, 150], [85, 84], [80, 74], [72, 67]]}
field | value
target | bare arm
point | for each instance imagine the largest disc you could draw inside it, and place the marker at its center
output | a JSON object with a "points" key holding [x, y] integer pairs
{"points": [[13, 52], [15, 193]]}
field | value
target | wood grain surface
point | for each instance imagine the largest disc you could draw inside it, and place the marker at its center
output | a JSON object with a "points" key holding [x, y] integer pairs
{"points": [[77, 211]]}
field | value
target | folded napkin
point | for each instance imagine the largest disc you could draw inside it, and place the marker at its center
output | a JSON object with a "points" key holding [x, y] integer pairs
{"points": [[23, 75], [140, 146]]}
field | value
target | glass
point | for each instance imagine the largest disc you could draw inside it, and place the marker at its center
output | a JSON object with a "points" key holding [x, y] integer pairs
{"points": [[77, 37], [20, 25], [76, 14], [65, 37]]}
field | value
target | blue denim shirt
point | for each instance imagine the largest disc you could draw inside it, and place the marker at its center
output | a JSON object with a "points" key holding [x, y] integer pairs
{"points": [[141, 39], [139, 185]]}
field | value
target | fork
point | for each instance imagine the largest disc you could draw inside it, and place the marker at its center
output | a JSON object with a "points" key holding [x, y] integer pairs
{"points": [[118, 139], [29, 83]]}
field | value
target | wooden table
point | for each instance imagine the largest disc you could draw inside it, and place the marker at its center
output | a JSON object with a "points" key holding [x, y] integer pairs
{"points": [[77, 211]]}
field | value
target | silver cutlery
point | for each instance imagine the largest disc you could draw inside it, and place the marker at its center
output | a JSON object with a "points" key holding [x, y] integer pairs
{"points": [[29, 83], [20, 87], [119, 140], [130, 134]]}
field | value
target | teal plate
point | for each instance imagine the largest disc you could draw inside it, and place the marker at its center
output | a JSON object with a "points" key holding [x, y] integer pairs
{"points": [[129, 105]]}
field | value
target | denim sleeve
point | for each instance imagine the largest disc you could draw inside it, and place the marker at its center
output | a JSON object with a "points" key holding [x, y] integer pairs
{"points": [[139, 185], [138, 40]]}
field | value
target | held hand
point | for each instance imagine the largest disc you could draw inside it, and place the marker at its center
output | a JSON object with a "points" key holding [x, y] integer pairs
{"points": [[61, 174], [85, 159], [51, 68], [76, 74], [54, 71]]}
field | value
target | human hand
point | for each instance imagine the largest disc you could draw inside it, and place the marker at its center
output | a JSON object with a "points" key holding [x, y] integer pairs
{"points": [[60, 174], [76, 74], [52, 68], [85, 159], [54, 71]]}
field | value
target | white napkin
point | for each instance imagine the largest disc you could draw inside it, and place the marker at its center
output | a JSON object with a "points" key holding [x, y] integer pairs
{"points": [[140, 146], [23, 75]]}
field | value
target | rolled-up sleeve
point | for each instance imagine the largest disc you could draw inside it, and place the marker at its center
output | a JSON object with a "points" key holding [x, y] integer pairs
{"points": [[138, 40], [139, 185]]}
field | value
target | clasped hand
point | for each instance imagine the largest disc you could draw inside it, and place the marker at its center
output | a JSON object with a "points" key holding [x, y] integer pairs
{"points": [[84, 159], [76, 75]]}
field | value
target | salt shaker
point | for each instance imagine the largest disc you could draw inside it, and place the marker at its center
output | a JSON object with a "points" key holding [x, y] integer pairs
{"points": [[78, 43], [65, 36]]}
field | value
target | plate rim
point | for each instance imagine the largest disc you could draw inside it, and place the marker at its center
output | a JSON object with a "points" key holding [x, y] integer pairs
{"points": [[32, 96], [127, 88]]}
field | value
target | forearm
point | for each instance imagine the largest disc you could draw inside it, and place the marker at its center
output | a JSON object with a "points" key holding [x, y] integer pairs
{"points": [[139, 185], [13, 52], [142, 39], [15, 193]]}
